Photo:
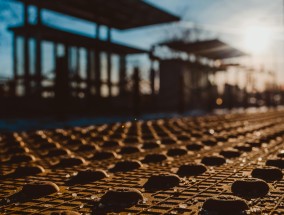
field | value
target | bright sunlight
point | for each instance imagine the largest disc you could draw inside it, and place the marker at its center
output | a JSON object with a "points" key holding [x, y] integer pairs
{"points": [[257, 39]]}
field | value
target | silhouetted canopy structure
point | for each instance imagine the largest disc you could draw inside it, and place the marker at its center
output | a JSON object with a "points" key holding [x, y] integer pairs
{"points": [[55, 35], [119, 14], [103, 57], [185, 84], [67, 70], [212, 49]]}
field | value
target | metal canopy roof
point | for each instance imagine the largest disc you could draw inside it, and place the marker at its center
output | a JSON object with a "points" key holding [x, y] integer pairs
{"points": [[119, 14], [212, 49], [52, 34], [197, 65]]}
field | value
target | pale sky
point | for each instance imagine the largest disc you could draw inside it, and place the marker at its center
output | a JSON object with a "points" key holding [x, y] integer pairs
{"points": [[232, 21]]}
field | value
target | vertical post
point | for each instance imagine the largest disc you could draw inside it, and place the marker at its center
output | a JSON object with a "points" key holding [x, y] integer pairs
{"points": [[61, 87], [89, 68], [181, 93], [98, 65], [26, 53], [152, 75], [122, 74], [97, 32], [65, 74], [78, 61], [38, 54], [26, 13], [211, 96], [98, 72], [193, 84], [39, 16], [246, 97], [109, 63], [68, 56], [136, 91], [55, 56], [15, 63], [78, 78], [152, 78]]}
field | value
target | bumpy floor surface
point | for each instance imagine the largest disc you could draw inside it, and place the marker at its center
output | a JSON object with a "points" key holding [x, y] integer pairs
{"points": [[229, 164]]}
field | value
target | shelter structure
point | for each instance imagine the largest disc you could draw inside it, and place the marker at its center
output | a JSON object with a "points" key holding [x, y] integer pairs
{"points": [[189, 82], [92, 83], [212, 49], [113, 14]]}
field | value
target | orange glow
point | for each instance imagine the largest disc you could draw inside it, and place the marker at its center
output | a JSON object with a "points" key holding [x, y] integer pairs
{"points": [[219, 101]]}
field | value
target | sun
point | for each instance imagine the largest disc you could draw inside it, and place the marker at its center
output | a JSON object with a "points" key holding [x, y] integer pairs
{"points": [[257, 39]]}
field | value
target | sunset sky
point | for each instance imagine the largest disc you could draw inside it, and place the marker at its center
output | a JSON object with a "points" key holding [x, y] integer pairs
{"points": [[254, 26]]}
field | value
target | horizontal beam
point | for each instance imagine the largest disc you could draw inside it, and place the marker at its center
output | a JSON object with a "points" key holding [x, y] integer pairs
{"points": [[119, 14], [58, 36]]}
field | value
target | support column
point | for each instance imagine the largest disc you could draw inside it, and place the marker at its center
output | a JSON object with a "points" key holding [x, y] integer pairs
{"points": [[55, 57], [97, 65], [89, 69], [122, 75], [63, 73], [38, 51], [109, 64], [61, 87], [15, 64], [55, 53], [78, 78], [26, 54], [136, 91], [152, 78], [98, 72], [68, 55], [181, 99], [78, 61], [98, 31], [210, 90]]}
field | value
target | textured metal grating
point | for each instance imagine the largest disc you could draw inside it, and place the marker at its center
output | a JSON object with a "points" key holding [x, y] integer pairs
{"points": [[263, 131]]}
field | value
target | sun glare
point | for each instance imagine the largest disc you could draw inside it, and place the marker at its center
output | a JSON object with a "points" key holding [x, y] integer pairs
{"points": [[257, 39]]}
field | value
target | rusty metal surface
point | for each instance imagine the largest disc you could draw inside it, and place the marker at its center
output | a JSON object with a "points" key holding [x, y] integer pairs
{"points": [[263, 132]]}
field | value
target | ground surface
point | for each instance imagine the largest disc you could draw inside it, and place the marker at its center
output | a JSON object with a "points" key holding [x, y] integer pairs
{"points": [[234, 145]]}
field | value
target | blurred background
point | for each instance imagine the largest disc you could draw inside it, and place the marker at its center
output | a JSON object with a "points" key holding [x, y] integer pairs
{"points": [[81, 62]]}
